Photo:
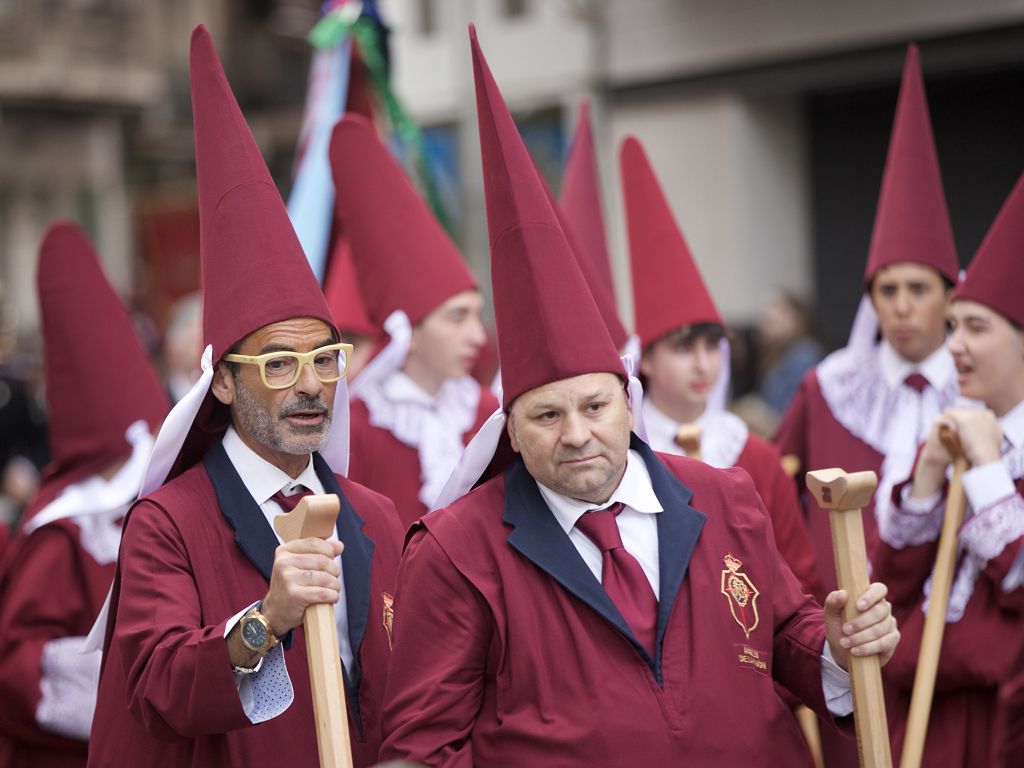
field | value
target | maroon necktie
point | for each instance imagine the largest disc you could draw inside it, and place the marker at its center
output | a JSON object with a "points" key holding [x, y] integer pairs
{"points": [[623, 578], [287, 503], [916, 382]]}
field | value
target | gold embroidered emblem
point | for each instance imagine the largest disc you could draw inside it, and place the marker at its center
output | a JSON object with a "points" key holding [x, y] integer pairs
{"points": [[741, 593], [388, 616]]}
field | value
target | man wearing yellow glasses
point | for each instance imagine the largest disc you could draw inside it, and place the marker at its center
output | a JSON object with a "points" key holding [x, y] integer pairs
{"points": [[199, 645]]}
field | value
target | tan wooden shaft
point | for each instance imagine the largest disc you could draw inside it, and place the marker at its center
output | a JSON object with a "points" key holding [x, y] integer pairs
{"points": [[812, 732], [935, 620], [843, 495], [316, 516], [328, 687], [688, 438]]}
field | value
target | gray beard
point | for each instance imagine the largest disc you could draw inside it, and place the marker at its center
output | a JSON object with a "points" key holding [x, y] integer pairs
{"points": [[268, 431]]}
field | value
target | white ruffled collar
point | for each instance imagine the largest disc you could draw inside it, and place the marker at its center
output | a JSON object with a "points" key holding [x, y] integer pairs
{"points": [[434, 426]]}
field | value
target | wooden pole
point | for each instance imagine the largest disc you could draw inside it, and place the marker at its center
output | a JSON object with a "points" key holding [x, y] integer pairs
{"points": [[316, 516], [688, 438], [938, 603], [844, 495]]}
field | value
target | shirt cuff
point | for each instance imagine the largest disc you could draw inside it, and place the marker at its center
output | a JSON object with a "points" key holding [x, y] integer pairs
{"points": [[835, 684], [988, 484], [911, 506], [266, 692]]}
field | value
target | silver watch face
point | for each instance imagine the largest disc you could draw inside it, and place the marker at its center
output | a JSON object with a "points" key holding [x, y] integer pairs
{"points": [[254, 633]]}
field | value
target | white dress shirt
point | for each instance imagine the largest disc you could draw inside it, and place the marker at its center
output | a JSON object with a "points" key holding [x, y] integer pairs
{"points": [[267, 691], [638, 526]]}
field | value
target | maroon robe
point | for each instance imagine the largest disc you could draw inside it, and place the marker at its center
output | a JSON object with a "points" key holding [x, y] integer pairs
{"points": [[761, 461], [508, 652], [381, 461], [810, 432], [30, 617], [979, 653], [194, 553]]}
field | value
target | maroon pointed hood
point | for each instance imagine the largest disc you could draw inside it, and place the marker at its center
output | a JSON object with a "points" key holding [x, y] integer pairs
{"points": [[403, 257], [668, 290], [99, 380], [995, 277], [344, 295], [581, 205], [254, 270], [912, 221], [549, 327]]}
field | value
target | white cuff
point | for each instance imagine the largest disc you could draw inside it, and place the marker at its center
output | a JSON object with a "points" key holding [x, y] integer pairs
{"points": [[912, 522], [988, 484], [68, 687], [911, 506], [835, 684], [993, 527], [265, 690]]}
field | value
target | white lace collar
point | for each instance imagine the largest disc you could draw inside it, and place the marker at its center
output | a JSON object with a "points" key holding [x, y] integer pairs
{"points": [[433, 425], [723, 435]]}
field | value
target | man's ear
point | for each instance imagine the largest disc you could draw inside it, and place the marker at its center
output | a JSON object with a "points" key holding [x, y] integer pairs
{"points": [[510, 427], [223, 385], [645, 364]]}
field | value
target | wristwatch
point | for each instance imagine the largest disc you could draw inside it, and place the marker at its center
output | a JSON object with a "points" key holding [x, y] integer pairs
{"points": [[257, 635]]}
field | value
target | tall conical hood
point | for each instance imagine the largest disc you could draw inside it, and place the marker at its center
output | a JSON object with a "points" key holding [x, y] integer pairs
{"points": [[912, 221], [604, 299], [668, 290], [403, 257], [343, 294], [253, 268], [549, 327], [581, 205], [995, 277], [99, 380]]}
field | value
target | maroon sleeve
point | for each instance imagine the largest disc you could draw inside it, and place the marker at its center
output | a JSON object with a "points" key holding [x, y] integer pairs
{"points": [[436, 680], [43, 599], [176, 665]]}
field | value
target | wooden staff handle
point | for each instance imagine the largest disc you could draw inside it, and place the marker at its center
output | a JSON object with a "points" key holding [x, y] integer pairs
{"points": [[316, 516], [688, 438], [790, 464], [843, 496], [938, 603]]}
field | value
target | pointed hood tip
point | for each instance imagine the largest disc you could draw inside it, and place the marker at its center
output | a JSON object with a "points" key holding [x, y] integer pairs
{"points": [[668, 289], [416, 267], [533, 268], [912, 222]]}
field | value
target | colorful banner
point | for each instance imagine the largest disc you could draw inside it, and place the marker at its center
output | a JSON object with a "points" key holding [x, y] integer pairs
{"points": [[311, 203]]}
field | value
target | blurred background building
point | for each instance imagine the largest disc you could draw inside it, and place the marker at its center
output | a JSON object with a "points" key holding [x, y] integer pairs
{"points": [[767, 122]]}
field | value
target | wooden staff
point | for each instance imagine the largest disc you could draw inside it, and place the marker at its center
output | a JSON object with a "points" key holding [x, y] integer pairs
{"points": [[315, 516], [688, 438], [938, 603], [844, 495], [790, 464]]}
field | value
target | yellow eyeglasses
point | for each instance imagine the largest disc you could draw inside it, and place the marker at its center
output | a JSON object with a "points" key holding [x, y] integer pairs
{"points": [[280, 370]]}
